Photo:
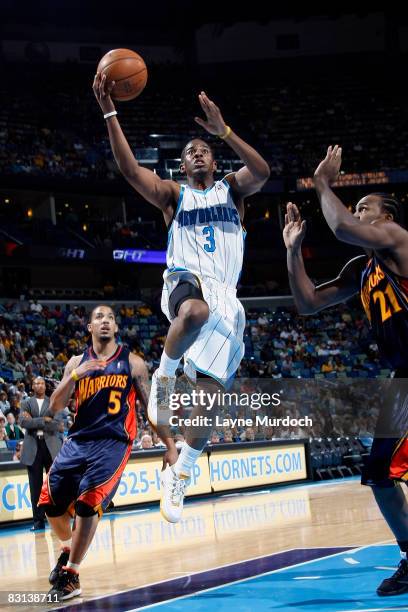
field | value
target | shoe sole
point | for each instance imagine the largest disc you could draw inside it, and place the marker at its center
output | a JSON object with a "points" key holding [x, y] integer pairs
{"points": [[166, 516], [52, 582], [71, 595], [392, 594]]}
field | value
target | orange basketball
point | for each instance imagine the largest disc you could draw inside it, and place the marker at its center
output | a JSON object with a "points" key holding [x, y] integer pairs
{"points": [[127, 69]]}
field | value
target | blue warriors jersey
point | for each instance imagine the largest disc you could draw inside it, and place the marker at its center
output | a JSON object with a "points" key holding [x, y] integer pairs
{"points": [[105, 400], [384, 295], [206, 236]]}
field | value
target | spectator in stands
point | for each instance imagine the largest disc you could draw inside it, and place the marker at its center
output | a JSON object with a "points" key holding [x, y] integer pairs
{"points": [[327, 366], [62, 356], [157, 442], [17, 452], [146, 442], [287, 365], [35, 307], [228, 437], [4, 403], [13, 431], [2, 351], [13, 364], [268, 432], [248, 435], [57, 313], [260, 433], [22, 391], [14, 407], [215, 438], [338, 364], [3, 434], [41, 444]]}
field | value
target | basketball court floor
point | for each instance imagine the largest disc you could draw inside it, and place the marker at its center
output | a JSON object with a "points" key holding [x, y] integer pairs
{"points": [[312, 548]]}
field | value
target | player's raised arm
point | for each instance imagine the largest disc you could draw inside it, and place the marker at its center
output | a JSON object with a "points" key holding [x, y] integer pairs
{"points": [[160, 193], [255, 173], [309, 298], [341, 221], [73, 372]]}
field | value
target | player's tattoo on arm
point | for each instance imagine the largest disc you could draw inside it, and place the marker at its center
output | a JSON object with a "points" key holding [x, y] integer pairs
{"points": [[140, 377]]}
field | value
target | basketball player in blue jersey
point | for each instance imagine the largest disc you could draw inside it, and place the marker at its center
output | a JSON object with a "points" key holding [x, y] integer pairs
{"points": [[381, 277], [85, 474], [204, 261]]}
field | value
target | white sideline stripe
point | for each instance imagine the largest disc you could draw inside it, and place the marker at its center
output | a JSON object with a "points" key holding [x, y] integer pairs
{"points": [[376, 609], [351, 561], [307, 578], [149, 584], [282, 569]]}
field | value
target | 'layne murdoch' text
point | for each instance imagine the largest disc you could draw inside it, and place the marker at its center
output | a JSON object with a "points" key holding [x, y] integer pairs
{"points": [[218, 421]]}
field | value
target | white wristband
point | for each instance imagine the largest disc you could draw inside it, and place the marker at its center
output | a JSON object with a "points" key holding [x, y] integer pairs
{"points": [[107, 115]]}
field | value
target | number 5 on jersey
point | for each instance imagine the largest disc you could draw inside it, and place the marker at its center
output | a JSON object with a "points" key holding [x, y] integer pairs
{"points": [[114, 402]]}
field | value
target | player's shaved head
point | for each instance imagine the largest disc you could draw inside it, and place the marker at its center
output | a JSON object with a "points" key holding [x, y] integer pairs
{"points": [[193, 142]]}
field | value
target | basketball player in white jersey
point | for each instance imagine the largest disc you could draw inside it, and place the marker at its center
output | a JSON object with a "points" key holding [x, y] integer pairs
{"points": [[204, 261]]}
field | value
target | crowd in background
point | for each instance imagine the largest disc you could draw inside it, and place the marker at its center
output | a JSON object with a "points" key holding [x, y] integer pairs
{"points": [[293, 118], [38, 340]]}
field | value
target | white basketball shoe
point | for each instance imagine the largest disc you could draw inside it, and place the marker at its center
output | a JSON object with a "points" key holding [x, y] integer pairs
{"points": [[172, 489]]}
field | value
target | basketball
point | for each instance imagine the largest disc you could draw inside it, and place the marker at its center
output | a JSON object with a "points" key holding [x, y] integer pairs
{"points": [[127, 69]]}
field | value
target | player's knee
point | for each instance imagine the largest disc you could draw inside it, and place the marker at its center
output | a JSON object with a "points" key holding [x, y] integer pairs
{"points": [[54, 511], [84, 510], [194, 314]]}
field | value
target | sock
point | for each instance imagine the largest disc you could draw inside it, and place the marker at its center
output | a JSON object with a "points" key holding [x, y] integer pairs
{"points": [[66, 544], [403, 546], [168, 366], [73, 566], [187, 458]]}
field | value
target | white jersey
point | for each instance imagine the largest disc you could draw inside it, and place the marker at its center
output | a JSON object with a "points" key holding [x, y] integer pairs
{"points": [[206, 236], [206, 243]]}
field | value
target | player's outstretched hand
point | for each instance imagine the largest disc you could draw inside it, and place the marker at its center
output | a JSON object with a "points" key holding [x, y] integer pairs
{"points": [[102, 91], [215, 123], [328, 169], [295, 229], [94, 365]]}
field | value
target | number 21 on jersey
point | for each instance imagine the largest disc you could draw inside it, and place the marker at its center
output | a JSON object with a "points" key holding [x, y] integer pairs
{"points": [[388, 302]]}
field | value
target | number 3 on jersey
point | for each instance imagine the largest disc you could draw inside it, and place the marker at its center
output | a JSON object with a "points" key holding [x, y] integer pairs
{"points": [[210, 244]]}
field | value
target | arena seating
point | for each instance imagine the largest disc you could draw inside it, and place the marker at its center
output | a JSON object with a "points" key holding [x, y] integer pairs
{"points": [[294, 119]]}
